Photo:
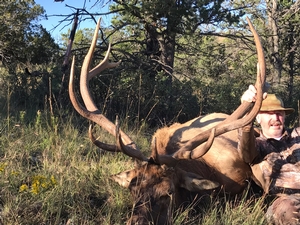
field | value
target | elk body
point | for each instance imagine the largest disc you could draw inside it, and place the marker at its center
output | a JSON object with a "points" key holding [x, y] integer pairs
{"points": [[221, 163], [197, 156]]}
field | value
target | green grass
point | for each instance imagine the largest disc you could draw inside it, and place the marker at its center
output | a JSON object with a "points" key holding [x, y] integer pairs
{"points": [[50, 173]]}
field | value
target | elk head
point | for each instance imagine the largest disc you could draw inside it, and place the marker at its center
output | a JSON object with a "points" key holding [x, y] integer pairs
{"points": [[156, 184]]}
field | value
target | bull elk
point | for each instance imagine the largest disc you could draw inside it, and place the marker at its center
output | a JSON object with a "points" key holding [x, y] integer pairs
{"points": [[199, 155]]}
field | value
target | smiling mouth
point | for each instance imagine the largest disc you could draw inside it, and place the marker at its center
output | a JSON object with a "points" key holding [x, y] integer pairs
{"points": [[275, 124]]}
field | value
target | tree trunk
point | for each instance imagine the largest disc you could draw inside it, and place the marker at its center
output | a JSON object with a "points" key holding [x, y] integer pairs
{"points": [[167, 46], [161, 49], [274, 40], [291, 58]]}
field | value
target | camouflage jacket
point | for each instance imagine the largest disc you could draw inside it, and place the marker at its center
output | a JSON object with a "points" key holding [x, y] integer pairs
{"points": [[275, 163]]}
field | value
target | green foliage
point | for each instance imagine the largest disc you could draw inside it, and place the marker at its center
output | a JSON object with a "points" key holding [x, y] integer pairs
{"points": [[28, 54], [41, 47], [218, 71], [171, 16], [16, 28], [82, 38], [152, 32]]}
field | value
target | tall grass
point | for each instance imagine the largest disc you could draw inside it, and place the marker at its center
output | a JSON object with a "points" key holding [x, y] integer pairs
{"points": [[50, 173]]}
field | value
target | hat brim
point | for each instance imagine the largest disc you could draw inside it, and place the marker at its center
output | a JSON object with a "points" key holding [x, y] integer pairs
{"points": [[269, 109]]}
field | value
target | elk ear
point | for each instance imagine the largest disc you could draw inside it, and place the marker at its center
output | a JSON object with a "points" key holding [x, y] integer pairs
{"points": [[196, 183], [124, 178]]}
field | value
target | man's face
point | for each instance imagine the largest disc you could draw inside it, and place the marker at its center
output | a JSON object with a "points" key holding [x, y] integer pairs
{"points": [[272, 123]]}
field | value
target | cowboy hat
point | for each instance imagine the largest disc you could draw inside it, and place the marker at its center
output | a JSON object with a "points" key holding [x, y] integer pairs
{"points": [[274, 103]]}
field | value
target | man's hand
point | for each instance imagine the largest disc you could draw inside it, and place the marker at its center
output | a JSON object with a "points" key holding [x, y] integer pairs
{"points": [[250, 94]]}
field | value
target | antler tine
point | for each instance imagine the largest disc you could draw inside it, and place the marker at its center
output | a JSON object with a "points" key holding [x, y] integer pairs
{"points": [[91, 111], [206, 147], [235, 120], [260, 52], [104, 64], [172, 160], [161, 159], [86, 75], [99, 144], [125, 149]]}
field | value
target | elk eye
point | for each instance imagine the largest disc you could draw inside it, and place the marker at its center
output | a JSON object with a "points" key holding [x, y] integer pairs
{"points": [[164, 198]]}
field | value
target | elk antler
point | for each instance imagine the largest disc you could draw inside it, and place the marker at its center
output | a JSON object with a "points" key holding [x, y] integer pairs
{"points": [[91, 111], [235, 120]]}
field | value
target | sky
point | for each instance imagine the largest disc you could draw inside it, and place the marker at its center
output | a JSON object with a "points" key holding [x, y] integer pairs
{"points": [[59, 8]]}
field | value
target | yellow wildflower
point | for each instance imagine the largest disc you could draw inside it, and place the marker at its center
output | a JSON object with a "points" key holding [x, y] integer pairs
{"points": [[41, 183], [53, 180], [23, 187], [2, 166], [35, 187]]}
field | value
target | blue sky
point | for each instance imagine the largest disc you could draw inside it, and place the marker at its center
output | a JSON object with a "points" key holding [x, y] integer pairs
{"points": [[59, 8]]}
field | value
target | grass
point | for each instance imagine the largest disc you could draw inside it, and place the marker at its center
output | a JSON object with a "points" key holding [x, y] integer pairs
{"points": [[52, 174]]}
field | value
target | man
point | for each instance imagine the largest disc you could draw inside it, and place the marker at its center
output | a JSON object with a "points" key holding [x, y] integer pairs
{"points": [[274, 157]]}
